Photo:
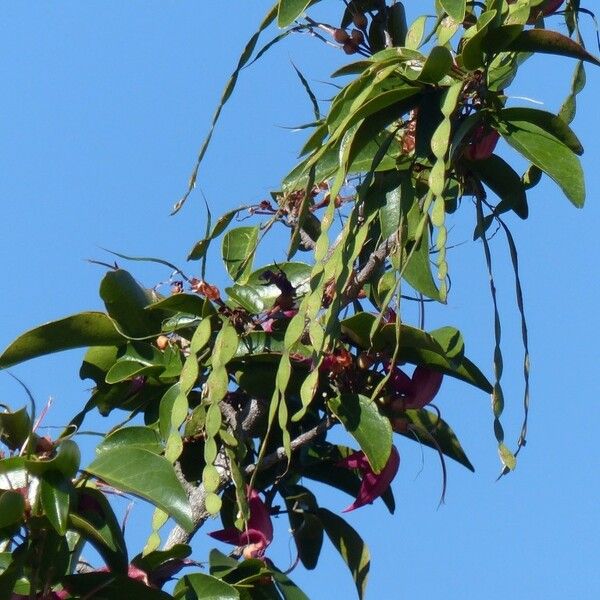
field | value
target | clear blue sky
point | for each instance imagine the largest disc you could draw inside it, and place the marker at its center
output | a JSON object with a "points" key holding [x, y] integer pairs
{"points": [[103, 108]]}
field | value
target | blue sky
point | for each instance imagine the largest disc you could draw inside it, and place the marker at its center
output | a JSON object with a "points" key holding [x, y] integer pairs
{"points": [[103, 109]]}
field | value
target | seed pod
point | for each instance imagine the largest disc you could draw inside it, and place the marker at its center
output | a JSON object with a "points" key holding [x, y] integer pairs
{"points": [[357, 37], [365, 360], [341, 36], [162, 341], [360, 20]]}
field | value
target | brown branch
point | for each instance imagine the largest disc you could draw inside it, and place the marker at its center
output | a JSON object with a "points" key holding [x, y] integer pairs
{"points": [[375, 261], [197, 493]]}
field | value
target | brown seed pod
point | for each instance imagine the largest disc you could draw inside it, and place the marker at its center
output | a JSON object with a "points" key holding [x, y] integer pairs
{"points": [[341, 36], [162, 341], [350, 48], [357, 37], [360, 20]]}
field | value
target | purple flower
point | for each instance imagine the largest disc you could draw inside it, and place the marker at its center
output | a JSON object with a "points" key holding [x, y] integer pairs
{"points": [[415, 392], [258, 534], [373, 485]]}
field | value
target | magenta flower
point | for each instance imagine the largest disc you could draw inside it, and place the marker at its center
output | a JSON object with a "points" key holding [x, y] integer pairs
{"points": [[415, 392], [258, 534], [373, 485], [482, 143]]}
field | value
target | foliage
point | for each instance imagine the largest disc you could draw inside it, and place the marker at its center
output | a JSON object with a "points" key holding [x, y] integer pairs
{"points": [[236, 390]]}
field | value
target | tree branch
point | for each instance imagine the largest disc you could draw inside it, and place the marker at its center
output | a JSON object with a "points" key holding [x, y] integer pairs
{"points": [[197, 493], [375, 261]]}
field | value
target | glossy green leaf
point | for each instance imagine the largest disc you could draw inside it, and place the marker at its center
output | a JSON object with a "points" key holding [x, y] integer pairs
{"points": [[289, 10], [366, 425], [306, 528], [351, 547], [544, 41], [256, 295], [473, 56], [416, 346], [15, 428], [417, 272], [146, 475], [13, 566], [329, 162], [111, 586], [415, 32], [12, 508], [501, 178], [93, 518], [376, 104], [436, 66], [76, 331], [125, 370], [55, 496], [549, 154], [207, 587], [125, 301], [66, 461], [221, 564], [547, 121], [427, 425], [287, 588], [200, 248], [455, 9], [131, 437], [238, 249], [182, 303], [158, 558]]}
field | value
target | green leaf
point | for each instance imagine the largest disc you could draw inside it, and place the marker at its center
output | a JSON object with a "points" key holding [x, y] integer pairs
{"points": [[66, 461], [128, 369], [125, 301], [146, 475], [306, 528], [417, 271], [207, 587], [472, 55], [549, 154], [190, 304], [12, 508], [455, 9], [350, 546], [15, 428], [289, 10], [55, 495], [111, 586], [76, 331], [366, 425], [432, 425], [436, 66], [502, 179], [93, 518], [287, 588], [550, 123], [238, 249], [220, 564], [543, 41], [156, 559], [132, 437], [416, 347], [256, 295], [200, 248]]}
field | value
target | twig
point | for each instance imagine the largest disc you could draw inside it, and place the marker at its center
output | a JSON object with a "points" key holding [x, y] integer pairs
{"points": [[197, 494]]}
